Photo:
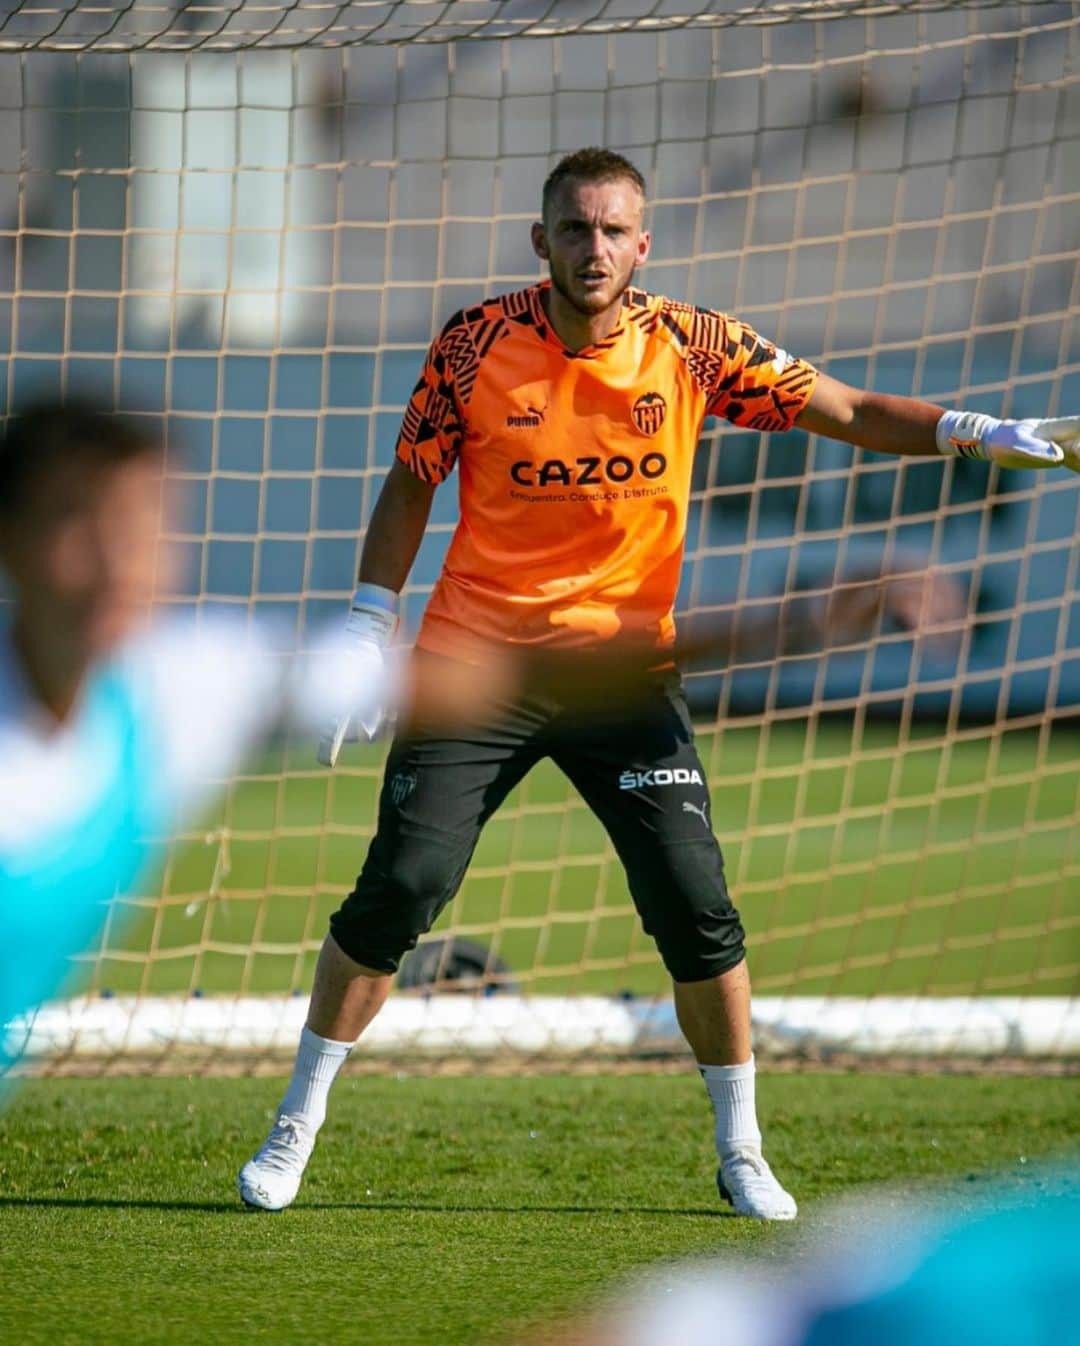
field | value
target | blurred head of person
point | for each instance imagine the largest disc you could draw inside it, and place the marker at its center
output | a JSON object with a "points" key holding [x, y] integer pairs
{"points": [[82, 513]]}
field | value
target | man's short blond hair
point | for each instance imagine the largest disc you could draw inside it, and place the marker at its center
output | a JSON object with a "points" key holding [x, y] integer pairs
{"points": [[590, 165]]}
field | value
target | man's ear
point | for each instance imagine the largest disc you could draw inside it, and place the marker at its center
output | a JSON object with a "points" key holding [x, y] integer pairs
{"points": [[643, 246], [538, 234]]}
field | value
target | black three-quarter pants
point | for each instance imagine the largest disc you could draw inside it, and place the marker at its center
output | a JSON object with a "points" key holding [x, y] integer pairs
{"points": [[638, 772]]}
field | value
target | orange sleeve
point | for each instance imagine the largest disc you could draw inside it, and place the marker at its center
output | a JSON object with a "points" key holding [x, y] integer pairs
{"points": [[433, 425], [747, 379]]}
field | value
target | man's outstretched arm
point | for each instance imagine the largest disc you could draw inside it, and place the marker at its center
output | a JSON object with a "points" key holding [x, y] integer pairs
{"points": [[887, 424]]}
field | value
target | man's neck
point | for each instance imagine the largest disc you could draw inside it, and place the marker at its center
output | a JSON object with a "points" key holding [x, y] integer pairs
{"points": [[574, 328], [53, 668]]}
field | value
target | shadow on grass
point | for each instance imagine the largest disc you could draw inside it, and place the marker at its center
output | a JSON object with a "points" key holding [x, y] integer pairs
{"points": [[430, 1207]]}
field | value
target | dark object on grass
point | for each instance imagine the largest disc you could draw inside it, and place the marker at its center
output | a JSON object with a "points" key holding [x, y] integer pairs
{"points": [[456, 965]]}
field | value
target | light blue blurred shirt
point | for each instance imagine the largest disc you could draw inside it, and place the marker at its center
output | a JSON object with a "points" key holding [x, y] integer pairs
{"points": [[85, 805], [999, 1271]]}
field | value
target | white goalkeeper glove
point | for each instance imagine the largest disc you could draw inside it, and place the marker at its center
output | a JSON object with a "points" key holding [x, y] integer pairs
{"points": [[370, 624], [969, 434]]}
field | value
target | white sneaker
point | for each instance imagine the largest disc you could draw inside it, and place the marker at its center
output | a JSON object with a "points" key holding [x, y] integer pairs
{"points": [[270, 1179], [747, 1181]]}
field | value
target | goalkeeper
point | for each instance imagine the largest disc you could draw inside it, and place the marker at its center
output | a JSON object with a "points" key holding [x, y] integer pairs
{"points": [[572, 410]]}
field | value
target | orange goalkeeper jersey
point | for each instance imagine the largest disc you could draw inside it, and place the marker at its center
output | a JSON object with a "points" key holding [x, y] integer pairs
{"points": [[575, 466]]}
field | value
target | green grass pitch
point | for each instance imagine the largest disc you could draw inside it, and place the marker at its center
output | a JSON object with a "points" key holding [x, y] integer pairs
{"points": [[861, 860], [450, 1211], [443, 1211]]}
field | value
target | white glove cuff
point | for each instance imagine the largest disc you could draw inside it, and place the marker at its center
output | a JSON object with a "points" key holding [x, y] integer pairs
{"points": [[373, 614], [962, 434]]}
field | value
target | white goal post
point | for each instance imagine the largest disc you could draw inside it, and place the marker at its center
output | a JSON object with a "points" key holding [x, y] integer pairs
{"points": [[257, 214]]}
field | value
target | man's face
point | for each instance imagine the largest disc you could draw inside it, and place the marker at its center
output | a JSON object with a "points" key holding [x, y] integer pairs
{"points": [[87, 552], [592, 238]]}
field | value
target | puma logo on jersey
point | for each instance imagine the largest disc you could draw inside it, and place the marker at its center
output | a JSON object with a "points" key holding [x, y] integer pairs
{"points": [[531, 420], [699, 809], [640, 780]]}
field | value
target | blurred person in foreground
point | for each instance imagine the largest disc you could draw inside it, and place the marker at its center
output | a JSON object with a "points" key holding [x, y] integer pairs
{"points": [[114, 723], [572, 409], [884, 1271]]}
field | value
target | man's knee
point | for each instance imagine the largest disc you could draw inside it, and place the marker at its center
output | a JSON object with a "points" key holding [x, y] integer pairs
{"points": [[703, 947], [683, 900], [397, 899]]}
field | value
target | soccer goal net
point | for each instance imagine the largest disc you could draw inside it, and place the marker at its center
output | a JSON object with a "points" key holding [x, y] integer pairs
{"points": [[256, 215]]}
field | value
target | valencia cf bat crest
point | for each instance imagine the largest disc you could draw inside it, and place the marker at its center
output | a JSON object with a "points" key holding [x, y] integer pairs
{"points": [[649, 412], [401, 787]]}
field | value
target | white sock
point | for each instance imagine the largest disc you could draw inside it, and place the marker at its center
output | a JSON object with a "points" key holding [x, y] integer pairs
{"points": [[731, 1089], [318, 1061]]}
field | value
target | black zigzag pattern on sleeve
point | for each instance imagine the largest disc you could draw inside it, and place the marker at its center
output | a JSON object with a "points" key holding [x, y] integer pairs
{"points": [[516, 306], [466, 339], [706, 369], [785, 398]]}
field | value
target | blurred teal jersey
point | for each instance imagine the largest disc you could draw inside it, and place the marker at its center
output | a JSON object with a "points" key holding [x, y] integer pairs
{"points": [[1008, 1277], [85, 804], [999, 1271], [87, 841]]}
